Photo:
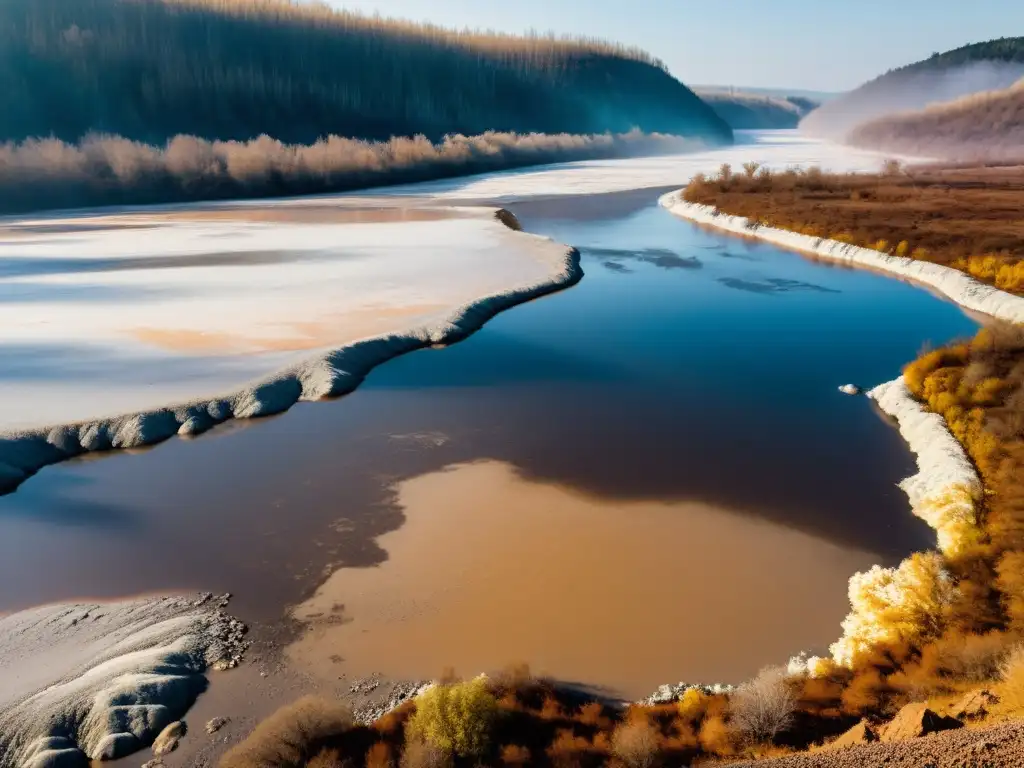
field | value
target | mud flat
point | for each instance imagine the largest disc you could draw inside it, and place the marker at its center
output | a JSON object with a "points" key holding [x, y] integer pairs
{"points": [[281, 313], [101, 680]]}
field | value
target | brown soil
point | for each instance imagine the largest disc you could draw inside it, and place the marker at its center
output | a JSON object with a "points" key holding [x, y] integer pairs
{"points": [[993, 747]]}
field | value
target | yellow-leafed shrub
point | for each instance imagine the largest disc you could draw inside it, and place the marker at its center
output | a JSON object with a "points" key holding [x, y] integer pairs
{"points": [[456, 718]]}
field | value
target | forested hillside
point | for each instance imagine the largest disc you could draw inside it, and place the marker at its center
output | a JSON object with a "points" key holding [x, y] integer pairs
{"points": [[149, 70], [943, 77], [985, 126], [754, 111]]}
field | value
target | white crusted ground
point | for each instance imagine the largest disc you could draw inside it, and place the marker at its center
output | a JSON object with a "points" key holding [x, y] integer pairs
{"points": [[99, 681], [956, 285], [946, 488], [122, 330]]}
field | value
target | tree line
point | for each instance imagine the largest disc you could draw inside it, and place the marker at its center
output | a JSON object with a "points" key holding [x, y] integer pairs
{"points": [[149, 70]]}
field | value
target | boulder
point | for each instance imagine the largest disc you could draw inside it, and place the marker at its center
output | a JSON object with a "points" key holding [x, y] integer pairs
{"points": [[168, 739], [861, 733], [974, 704], [59, 758], [916, 720], [114, 746], [850, 389]]}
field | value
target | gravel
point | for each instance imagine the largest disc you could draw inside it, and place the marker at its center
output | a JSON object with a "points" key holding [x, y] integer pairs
{"points": [[993, 747]]}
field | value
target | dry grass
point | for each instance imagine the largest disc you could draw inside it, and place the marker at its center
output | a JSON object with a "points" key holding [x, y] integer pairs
{"points": [[291, 736], [107, 170], [635, 743], [965, 218], [1011, 688]]}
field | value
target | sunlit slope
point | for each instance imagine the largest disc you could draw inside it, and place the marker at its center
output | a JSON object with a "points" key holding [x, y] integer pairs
{"points": [[983, 126], [235, 69], [944, 77]]}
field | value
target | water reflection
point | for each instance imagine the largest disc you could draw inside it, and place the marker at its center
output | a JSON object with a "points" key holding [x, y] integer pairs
{"points": [[664, 385]]}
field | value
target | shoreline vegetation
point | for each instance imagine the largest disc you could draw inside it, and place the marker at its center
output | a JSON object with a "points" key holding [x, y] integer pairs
{"points": [[967, 219], [39, 174]]}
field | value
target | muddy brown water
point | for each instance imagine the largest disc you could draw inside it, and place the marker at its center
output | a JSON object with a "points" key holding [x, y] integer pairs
{"points": [[649, 477]]}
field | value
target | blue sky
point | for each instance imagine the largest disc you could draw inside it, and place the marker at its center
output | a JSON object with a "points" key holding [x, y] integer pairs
{"points": [[814, 44]]}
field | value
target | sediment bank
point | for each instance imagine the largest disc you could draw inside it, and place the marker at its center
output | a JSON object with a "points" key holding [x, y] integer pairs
{"points": [[330, 374]]}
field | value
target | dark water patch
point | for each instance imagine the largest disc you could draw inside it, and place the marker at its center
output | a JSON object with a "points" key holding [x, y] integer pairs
{"points": [[658, 257], [614, 266], [773, 285], [727, 254]]}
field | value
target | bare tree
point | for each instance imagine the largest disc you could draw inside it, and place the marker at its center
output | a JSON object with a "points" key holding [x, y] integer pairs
{"points": [[750, 168], [635, 743], [763, 707]]}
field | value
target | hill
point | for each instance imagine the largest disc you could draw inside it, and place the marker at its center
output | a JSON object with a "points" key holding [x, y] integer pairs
{"points": [[744, 110], [985, 126], [943, 77], [819, 97], [149, 70]]}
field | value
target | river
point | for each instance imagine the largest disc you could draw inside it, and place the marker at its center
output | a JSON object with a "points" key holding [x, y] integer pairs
{"points": [[648, 477]]}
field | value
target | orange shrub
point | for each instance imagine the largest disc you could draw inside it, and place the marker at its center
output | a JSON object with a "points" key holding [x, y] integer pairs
{"points": [[380, 756], [515, 755], [716, 737]]}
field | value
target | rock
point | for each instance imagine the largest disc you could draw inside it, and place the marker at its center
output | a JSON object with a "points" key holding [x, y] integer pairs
{"points": [[974, 704], [169, 737], [157, 763], [861, 733], [850, 389], [400, 693], [114, 746], [916, 720], [216, 724], [59, 758]]}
